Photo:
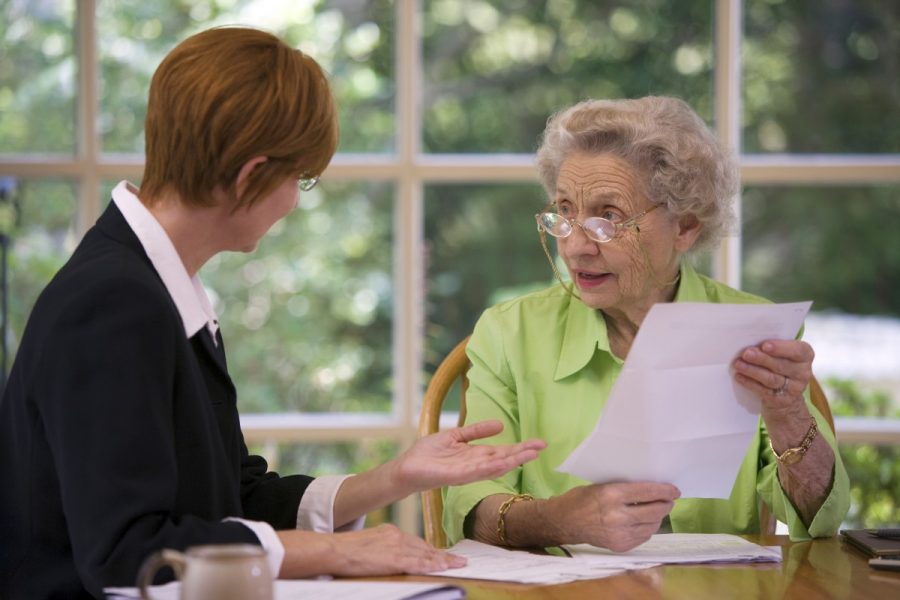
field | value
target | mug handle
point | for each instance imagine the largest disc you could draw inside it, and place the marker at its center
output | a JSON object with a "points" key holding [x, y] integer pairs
{"points": [[156, 561]]}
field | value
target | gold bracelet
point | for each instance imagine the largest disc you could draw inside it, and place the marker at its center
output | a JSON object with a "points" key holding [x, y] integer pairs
{"points": [[501, 516], [792, 456]]}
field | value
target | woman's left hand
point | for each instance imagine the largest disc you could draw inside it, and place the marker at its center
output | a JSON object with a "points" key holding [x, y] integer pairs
{"points": [[447, 458], [777, 372]]}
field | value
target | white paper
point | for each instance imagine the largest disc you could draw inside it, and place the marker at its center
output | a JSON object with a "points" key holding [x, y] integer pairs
{"points": [[680, 548], [590, 562], [675, 414], [308, 589], [500, 564]]}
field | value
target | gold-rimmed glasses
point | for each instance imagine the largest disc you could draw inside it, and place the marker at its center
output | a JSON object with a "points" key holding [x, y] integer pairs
{"points": [[596, 229]]}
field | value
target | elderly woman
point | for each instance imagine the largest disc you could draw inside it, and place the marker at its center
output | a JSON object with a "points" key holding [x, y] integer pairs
{"points": [[634, 187]]}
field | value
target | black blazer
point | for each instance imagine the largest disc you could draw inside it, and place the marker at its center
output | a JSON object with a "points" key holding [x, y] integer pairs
{"points": [[120, 436]]}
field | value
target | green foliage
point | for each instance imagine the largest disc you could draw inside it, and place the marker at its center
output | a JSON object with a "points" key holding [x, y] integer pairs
{"points": [[37, 77], [353, 41], [39, 247], [832, 245], [874, 470], [495, 71], [307, 317], [481, 239], [809, 65]]}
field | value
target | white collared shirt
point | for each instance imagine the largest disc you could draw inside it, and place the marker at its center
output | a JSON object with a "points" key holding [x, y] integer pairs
{"points": [[316, 510]]}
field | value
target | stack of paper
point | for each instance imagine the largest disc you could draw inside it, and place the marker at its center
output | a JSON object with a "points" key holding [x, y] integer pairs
{"points": [[680, 548], [499, 564], [590, 562]]}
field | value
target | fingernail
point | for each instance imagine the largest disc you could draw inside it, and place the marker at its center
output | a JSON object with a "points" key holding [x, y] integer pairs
{"points": [[768, 347]]}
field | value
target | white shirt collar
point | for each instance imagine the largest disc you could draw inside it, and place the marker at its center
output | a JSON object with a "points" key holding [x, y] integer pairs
{"points": [[187, 292]]}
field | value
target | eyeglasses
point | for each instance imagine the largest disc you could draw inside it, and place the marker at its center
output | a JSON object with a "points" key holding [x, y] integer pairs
{"points": [[597, 229], [307, 183]]}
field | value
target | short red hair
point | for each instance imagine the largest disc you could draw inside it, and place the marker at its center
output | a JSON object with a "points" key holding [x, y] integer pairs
{"points": [[224, 96]]}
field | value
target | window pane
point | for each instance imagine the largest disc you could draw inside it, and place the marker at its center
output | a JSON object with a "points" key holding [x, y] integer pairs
{"points": [[839, 248], [874, 484], [332, 459], [38, 245], [495, 71], [37, 77], [482, 247], [821, 76], [352, 41], [307, 317]]}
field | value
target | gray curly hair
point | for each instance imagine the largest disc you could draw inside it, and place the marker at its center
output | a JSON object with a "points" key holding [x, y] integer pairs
{"points": [[681, 162]]}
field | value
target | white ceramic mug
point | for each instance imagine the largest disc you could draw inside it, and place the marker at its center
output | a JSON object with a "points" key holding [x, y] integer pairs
{"points": [[220, 572]]}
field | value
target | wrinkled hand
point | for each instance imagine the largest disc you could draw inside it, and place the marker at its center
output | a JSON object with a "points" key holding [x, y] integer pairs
{"points": [[618, 516], [447, 458], [777, 372], [382, 550]]}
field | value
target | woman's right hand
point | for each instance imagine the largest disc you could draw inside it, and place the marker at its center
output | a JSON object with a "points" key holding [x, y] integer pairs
{"points": [[618, 516], [382, 550]]}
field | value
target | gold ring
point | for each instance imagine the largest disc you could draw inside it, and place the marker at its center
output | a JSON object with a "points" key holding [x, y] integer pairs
{"points": [[780, 391]]}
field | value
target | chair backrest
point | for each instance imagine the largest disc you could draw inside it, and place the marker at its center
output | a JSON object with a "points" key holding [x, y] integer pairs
{"points": [[817, 396], [452, 369]]}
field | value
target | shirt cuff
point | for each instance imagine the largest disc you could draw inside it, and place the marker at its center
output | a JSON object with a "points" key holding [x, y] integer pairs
{"points": [[316, 511], [269, 540]]}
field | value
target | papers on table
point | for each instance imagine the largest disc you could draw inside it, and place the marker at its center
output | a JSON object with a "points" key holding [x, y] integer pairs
{"points": [[306, 589], [681, 548], [675, 414], [589, 562], [499, 564]]}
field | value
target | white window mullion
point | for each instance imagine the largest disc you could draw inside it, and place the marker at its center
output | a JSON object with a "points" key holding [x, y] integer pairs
{"points": [[727, 34], [819, 169], [87, 138], [409, 302]]}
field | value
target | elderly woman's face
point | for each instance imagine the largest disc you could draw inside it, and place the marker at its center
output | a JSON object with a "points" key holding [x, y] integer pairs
{"points": [[617, 275]]}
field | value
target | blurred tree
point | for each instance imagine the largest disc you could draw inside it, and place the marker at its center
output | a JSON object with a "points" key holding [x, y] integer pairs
{"points": [[37, 77], [351, 39], [494, 71], [874, 470], [821, 76], [307, 317], [39, 247], [832, 245]]}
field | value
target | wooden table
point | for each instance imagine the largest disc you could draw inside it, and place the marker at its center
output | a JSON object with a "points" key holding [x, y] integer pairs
{"points": [[825, 568]]}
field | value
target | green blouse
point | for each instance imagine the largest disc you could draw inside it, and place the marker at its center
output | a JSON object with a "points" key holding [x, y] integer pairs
{"points": [[542, 365]]}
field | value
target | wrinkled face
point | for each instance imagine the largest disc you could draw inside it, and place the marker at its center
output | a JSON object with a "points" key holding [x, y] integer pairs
{"points": [[631, 271]]}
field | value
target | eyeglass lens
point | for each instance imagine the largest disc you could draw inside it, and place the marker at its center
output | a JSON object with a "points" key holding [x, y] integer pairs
{"points": [[596, 228]]}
